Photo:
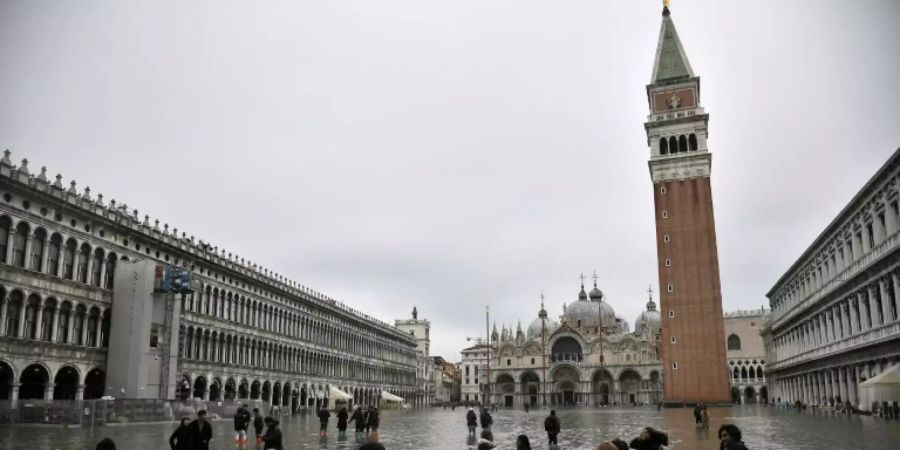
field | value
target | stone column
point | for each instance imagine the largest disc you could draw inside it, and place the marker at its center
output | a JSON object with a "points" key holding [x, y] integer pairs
{"points": [[886, 314], [79, 392], [55, 323], [45, 257], [9, 244], [38, 321], [4, 303], [873, 307], [70, 326], [48, 391], [22, 317], [84, 328], [854, 315], [829, 326], [27, 257], [61, 257], [14, 395], [103, 273], [845, 316], [895, 281]]}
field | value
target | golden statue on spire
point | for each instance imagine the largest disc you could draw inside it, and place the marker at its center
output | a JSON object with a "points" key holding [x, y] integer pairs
{"points": [[666, 3]]}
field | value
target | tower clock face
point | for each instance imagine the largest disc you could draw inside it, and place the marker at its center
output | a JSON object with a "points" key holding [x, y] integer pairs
{"points": [[674, 99]]}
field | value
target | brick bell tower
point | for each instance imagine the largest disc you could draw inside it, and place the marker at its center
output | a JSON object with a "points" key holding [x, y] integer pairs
{"points": [[693, 335]]}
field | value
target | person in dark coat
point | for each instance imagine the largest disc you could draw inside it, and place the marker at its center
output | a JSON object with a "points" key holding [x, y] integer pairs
{"points": [[359, 419], [730, 438], [241, 420], [258, 427], [698, 414], [272, 438], [471, 420], [342, 421], [324, 415], [649, 439], [181, 437], [486, 419], [552, 427], [374, 420], [106, 444], [201, 431]]}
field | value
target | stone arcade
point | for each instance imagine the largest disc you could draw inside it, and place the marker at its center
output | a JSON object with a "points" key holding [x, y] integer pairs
{"points": [[245, 333]]}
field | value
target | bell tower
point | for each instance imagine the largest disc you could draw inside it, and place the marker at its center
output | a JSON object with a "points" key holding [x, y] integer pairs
{"points": [[693, 338]]}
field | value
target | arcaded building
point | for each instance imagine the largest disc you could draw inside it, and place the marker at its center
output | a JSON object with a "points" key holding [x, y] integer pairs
{"points": [[692, 346], [834, 317], [746, 355], [78, 271]]}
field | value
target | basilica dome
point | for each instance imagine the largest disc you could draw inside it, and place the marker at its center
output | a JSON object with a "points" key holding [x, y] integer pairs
{"points": [[650, 317], [534, 330], [586, 313]]}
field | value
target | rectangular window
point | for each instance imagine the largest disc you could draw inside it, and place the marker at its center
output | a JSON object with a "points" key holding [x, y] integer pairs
{"points": [[666, 238], [674, 366], [895, 210], [668, 262], [532, 360], [871, 236], [662, 190], [673, 340], [154, 335], [671, 313], [665, 214], [882, 225], [670, 288]]}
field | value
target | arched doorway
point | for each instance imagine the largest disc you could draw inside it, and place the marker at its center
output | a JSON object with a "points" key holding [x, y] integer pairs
{"points": [[601, 387], [183, 389], [506, 386], [286, 394], [243, 390], [215, 390], [199, 387], [230, 389], [530, 387], [566, 380], [764, 394], [33, 382], [6, 380], [276, 394], [94, 384], [65, 384], [254, 390], [749, 394], [630, 385], [304, 396], [735, 395], [266, 392]]}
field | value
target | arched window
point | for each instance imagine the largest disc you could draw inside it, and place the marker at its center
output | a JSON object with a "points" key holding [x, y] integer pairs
{"points": [[110, 270], [78, 325], [22, 232], [663, 146], [84, 257], [743, 373], [65, 314], [37, 249], [692, 141], [734, 342], [5, 227], [53, 251], [682, 143], [13, 310], [673, 145], [32, 310], [96, 267]]}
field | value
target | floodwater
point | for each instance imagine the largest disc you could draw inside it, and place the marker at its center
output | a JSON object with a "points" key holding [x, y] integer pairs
{"points": [[763, 428]]}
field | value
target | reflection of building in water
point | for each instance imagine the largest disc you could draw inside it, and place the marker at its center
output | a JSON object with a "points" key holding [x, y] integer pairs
{"points": [[570, 362]]}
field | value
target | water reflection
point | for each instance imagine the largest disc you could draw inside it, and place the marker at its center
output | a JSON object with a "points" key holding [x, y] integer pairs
{"points": [[764, 428]]}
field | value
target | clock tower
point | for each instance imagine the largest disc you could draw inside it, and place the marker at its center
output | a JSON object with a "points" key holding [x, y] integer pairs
{"points": [[693, 335]]}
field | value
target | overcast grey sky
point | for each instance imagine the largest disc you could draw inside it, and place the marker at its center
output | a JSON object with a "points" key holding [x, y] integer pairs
{"points": [[453, 154]]}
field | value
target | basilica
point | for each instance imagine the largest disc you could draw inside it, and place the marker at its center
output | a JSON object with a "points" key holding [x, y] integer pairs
{"points": [[588, 357]]}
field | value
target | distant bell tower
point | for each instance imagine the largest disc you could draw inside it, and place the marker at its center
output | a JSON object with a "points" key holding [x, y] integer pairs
{"points": [[693, 338]]}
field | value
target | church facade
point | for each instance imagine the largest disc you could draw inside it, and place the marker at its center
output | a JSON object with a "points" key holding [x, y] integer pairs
{"points": [[587, 358]]}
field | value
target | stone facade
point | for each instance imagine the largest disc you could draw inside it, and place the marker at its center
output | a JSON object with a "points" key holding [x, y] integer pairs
{"points": [[420, 330], [589, 358], [835, 317], [746, 355], [473, 369], [244, 333], [692, 346]]}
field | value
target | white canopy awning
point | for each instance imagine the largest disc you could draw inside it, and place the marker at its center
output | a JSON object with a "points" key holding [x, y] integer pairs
{"points": [[884, 387], [337, 394], [388, 397]]}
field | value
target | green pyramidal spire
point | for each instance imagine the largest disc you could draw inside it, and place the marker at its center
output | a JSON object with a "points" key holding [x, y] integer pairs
{"points": [[671, 62]]}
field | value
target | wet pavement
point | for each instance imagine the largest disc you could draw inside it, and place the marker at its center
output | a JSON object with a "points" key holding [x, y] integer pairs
{"points": [[763, 428]]}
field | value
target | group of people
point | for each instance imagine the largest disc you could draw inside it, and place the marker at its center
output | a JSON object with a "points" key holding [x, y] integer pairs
{"points": [[649, 438], [196, 434], [366, 418]]}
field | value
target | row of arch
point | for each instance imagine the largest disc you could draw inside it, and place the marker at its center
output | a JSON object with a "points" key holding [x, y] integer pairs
{"points": [[243, 310], [34, 383], [680, 144], [52, 320], [38, 250], [200, 344]]}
